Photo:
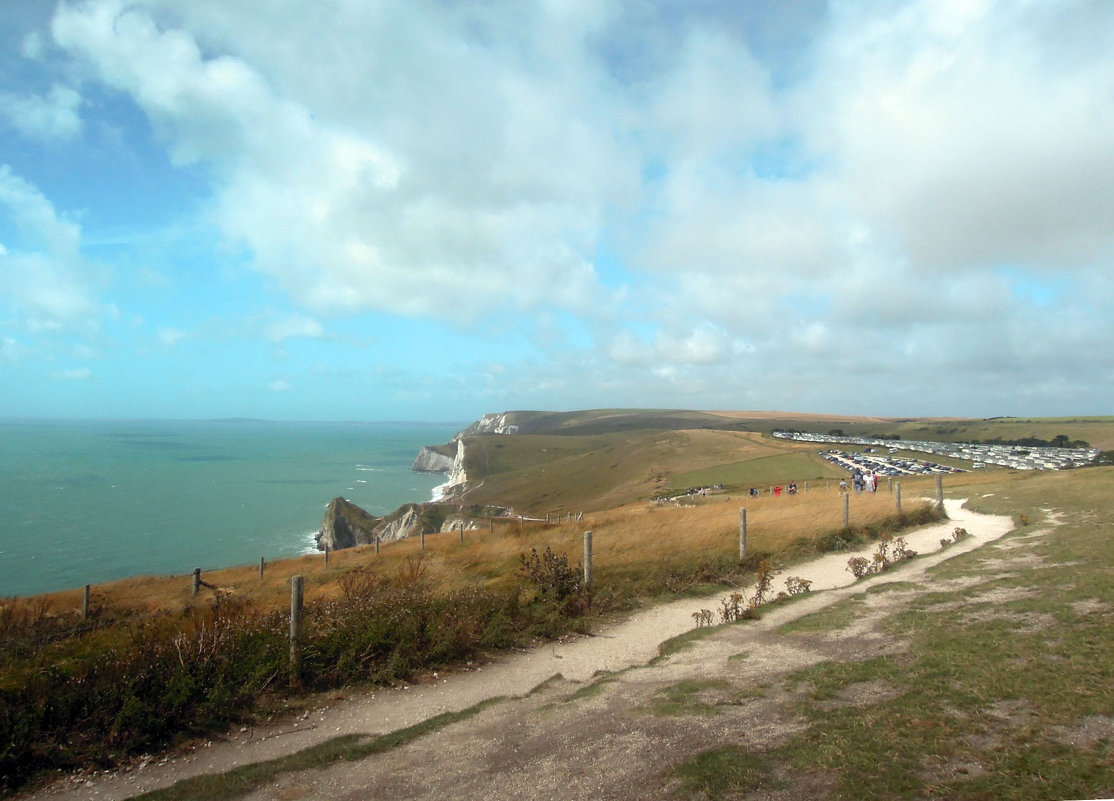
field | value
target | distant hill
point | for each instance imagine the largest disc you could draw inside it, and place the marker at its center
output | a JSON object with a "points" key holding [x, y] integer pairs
{"points": [[601, 458]]}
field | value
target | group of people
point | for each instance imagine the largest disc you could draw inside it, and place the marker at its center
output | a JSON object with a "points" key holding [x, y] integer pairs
{"points": [[777, 490], [861, 481]]}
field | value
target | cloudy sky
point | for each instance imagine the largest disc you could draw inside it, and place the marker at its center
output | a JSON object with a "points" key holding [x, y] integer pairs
{"points": [[433, 209]]}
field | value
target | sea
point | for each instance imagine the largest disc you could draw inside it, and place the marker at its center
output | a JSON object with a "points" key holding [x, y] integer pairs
{"points": [[85, 502]]}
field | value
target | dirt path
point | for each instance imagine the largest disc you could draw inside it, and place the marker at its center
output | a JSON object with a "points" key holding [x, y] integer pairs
{"points": [[536, 743]]}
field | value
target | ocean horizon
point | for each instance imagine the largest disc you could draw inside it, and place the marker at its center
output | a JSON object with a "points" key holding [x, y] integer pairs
{"points": [[92, 501]]}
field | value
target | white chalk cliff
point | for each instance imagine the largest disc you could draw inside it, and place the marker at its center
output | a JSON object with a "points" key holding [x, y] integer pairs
{"points": [[457, 476]]}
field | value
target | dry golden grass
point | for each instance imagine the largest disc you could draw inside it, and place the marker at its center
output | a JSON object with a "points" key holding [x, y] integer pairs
{"points": [[803, 416], [626, 540]]}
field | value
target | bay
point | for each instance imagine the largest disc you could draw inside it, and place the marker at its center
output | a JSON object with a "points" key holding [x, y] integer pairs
{"points": [[83, 502]]}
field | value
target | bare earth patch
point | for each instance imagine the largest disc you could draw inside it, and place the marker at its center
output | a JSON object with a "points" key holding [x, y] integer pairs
{"points": [[1088, 732]]}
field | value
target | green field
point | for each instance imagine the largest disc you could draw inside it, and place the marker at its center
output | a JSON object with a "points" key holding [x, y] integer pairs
{"points": [[782, 468]]}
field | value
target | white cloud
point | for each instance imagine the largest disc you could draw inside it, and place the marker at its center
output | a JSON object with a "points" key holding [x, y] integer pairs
{"points": [[170, 336], [975, 138], [293, 327], [35, 216], [77, 374], [55, 116], [796, 195], [461, 176], [44, 278], [280, 385], [12, 350]]}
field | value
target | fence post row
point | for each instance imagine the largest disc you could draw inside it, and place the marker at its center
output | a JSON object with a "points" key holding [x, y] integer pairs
{"points": [[588, 559], [297, 596], [742, 534]]}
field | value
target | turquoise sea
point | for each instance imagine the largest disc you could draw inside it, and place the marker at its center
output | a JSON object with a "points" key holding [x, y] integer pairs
{"points": [[88, 502]]}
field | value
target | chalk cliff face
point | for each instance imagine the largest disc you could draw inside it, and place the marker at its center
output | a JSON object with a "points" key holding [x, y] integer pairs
{"points": [[457, 475], [491, 424], [399, 528], [434, 459], [449, 458]]}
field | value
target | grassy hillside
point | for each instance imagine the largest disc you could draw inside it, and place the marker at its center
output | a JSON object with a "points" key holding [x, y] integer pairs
{"points": [[537, 473]]}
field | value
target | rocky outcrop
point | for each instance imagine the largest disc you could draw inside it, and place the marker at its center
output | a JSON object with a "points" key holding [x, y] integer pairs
{"points": [[407, 520], [346, 525], [490, 424], [460, 522], [435, 459]]}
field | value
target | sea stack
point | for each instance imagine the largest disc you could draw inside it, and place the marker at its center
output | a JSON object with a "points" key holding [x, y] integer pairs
{"points": [[346, 525]]}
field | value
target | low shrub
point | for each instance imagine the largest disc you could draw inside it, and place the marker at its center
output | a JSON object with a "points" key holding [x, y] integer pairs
{"points": [[889, 551]]}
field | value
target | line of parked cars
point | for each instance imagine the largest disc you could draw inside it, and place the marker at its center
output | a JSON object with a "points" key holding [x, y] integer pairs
{"points": [[885, 465]]}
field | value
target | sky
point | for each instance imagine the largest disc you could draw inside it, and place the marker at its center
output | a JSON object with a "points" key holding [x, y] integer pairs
{"points": [[436, 209]]}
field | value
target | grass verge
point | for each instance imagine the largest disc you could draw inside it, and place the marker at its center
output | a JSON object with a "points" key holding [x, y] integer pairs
{"points": [[347, 748]]}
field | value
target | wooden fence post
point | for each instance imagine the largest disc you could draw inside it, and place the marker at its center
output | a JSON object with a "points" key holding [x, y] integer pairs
{"points": [[461, 532], [588, 559], [85, 604], [847, 510], [377, 545], [423, 539], [297, 596], [742, 534], [326, 554], [196, 580], [262, 564], [939, 492], [899, 497]]}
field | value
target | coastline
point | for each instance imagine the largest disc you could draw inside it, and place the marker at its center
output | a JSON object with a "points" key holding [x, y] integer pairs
{"points": [[100, 501]]}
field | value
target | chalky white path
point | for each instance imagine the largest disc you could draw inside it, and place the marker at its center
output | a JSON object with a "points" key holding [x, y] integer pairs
{"points": [[632, 642]]}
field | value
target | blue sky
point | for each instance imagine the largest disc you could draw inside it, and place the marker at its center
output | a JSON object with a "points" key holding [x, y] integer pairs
{"points": [[431, 210]]}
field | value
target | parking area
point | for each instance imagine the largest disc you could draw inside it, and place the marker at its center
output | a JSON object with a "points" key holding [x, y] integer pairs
{"points": [[883, 465]]}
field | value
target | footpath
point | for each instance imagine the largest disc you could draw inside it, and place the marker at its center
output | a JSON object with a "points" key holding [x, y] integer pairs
{"points": [[565, 727]]}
